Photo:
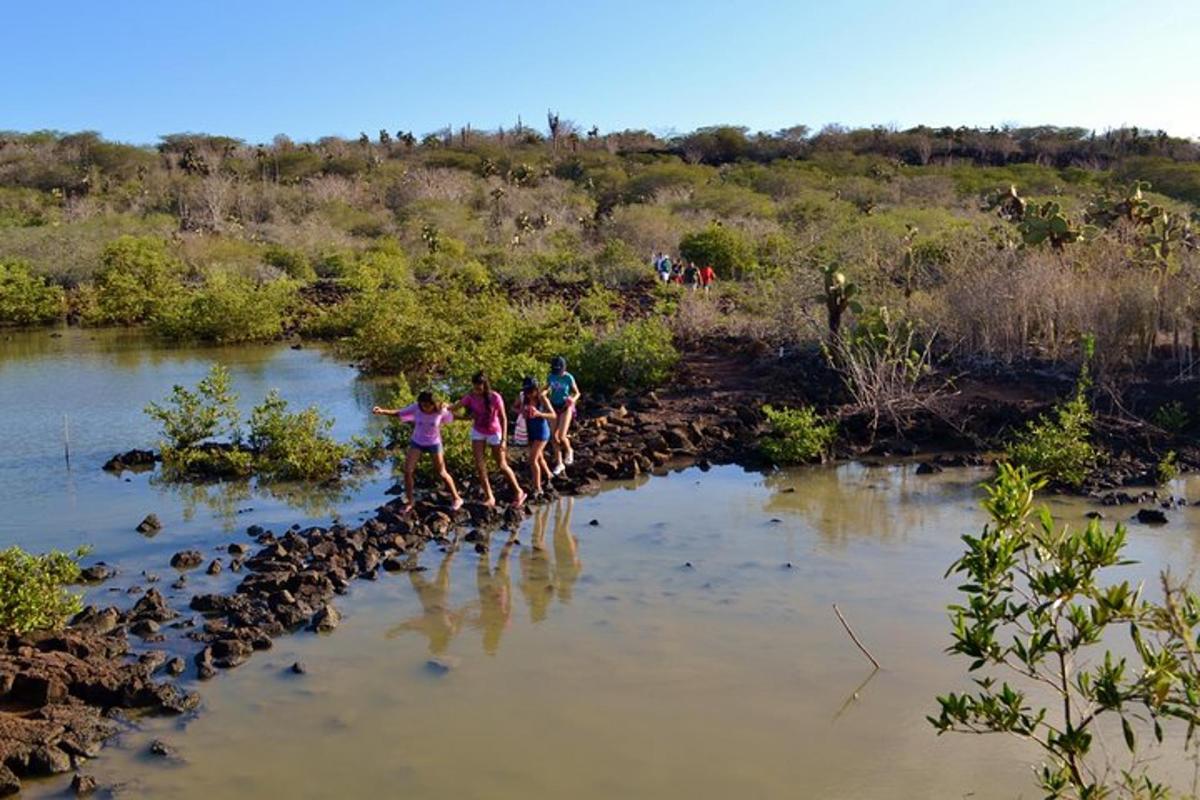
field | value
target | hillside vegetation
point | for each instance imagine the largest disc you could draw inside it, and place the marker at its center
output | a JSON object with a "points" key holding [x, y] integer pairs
{"points": [[434, 255]]}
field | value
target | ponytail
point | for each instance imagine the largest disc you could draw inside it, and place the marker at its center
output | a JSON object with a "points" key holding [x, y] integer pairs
{"points": [[481, 379]]}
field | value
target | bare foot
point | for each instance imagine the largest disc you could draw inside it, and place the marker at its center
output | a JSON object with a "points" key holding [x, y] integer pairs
{"points": [[408, 509], [521, 498], [457, 504], [490, 502]]}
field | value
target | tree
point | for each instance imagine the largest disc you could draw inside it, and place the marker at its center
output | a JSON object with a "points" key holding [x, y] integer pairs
{"points": [[1035, 609], [725, 249]]}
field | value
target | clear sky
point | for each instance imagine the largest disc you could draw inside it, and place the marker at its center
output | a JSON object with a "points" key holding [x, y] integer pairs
{"points": [[134, 70]]}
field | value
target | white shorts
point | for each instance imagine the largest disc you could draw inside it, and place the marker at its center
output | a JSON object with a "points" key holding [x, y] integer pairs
{"points": [[493, 439]]}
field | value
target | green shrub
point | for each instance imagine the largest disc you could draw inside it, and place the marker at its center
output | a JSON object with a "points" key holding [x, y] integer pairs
{"points": [[1172, 417], [32, 590], [293, 263], [137, 276], [725, 249], [227, 308], [797, 436], [190, 417], [1056, 446], [635, 356], [28, 299], [598, 306], [294, 445], [1167, 469]]}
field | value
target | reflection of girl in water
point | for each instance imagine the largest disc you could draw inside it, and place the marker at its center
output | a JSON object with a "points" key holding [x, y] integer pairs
{"points": [[536, 584], [495, 598], [566, 550], [439, 623]]}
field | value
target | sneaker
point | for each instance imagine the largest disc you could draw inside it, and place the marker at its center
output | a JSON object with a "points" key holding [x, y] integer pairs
{"points": [[570, 457], [559, 470]]}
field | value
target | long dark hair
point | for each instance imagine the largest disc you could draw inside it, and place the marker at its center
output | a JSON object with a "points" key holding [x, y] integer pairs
{"points": [[482, 380]]}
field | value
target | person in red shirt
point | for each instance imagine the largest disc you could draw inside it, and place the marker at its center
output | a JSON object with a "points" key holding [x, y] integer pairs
{"points": [[707, 276]]}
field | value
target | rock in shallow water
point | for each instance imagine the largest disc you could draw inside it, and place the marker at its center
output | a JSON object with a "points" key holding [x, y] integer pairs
{"points": [[150, 524], [187, 559]]}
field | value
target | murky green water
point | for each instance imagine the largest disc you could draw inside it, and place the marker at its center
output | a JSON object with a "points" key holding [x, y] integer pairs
{"points": [[683, 646]]}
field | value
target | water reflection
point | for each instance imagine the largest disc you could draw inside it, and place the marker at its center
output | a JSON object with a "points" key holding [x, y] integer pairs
{"points": [[854, 501], [225, 501], [542, 579], [439, 622]]}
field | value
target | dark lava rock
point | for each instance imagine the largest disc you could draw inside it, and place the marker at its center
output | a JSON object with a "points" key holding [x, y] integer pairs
{"points": [[326, 620], [96, 573], [176, 666], [9, 783], [187, 559], [441, 665], [1151, 516], [1094, 515], [299, 668], [92, 620], [144, 628], [229, 653], [236, 549], [129, 460], [595, 523], [150, 524], [160, 748], [83, 785], [928, 468], [214, 568], [152, 606]]}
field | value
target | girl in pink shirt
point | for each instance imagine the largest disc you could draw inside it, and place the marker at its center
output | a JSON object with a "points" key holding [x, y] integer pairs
{"points": [[427, 418], [489, 423]]}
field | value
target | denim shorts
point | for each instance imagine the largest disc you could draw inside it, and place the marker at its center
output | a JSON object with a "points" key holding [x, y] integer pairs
{"points": [[432, 449]]}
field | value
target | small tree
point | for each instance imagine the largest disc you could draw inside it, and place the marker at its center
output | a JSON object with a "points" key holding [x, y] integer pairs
{"points": [[190, 417], [1035, 608], [725, 249]]}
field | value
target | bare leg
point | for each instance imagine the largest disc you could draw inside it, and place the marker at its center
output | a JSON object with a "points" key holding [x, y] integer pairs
{"points": [[535, 464], [410, 468], [479, 449], [502, 462], [439, 463]]}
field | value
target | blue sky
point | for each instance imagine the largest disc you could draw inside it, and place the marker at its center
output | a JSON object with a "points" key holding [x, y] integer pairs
{"points": [[134, 70]]}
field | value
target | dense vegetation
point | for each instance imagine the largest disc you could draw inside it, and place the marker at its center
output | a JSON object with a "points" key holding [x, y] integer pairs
{"points": [[432, 256]]}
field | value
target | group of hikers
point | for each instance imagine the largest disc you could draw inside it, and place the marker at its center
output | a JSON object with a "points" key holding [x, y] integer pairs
{"points": [[543, 419], [684, 273]]}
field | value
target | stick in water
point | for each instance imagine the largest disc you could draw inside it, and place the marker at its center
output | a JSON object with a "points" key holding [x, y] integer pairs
{"points": [[846, 625], [67, 439]]}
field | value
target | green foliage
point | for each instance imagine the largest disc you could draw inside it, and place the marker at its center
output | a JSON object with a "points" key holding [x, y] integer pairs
{"points": [[190, 417], [1035, 610], [1057, 446], [293, 263], [598, 307], [723, 248], [227, 308], [33, 594], [28, 299], [635, 356], [1172, 417], [797, 435], [137, 276], [839, 296], [1167, 469], [291, 445]]}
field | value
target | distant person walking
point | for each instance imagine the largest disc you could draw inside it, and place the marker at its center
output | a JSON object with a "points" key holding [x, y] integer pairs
{"points": [[564, 396], [539, 415], [707, 276], [485, 407], [691, 276], [427, 417], [664, 268]]}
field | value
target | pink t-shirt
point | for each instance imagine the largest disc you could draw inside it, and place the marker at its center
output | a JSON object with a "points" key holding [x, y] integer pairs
{"points": [[427, 428], [485, 423]]}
